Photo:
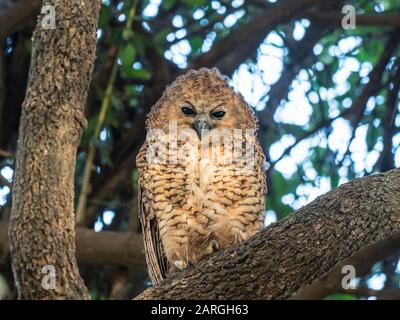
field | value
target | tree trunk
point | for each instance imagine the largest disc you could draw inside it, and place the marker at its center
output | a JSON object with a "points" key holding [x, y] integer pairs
{"points": [[298, 250], [42, 223]]}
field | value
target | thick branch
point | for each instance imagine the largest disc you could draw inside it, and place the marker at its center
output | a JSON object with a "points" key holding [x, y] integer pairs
{"points": [[334, 18], [15, 17], [297, 250], [6, 154], [99, 248]]}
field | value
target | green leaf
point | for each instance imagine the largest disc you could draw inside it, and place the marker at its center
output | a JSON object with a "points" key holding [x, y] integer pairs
{"points": [[168, 4], [135, 177], [280, 187], [278, 180], [128, 55], [130, 90], [159, 38], [282, 210], [116, 102], [104, 152], [372, 137], [196, 43], [326, 58], [127, 34], [112, 119], [138, 73], [140, 42], [334, 179], [89, 132], [133, 102], [105, 16], [343, 296], [293, 129], [195, 3]]}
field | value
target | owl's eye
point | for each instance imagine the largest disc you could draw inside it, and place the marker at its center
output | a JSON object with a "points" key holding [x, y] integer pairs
{"points": [[218, 114], [188, 111]]}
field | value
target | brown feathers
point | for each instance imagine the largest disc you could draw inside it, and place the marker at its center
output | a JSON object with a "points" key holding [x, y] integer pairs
{"points": [[201, 178]]}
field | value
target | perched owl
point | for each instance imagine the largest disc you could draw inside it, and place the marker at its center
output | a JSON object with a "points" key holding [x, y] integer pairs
{"points": [[201, 173]]}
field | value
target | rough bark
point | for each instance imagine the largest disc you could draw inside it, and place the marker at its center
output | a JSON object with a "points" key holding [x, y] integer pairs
{"points": [[298, 250], [42, 221]]}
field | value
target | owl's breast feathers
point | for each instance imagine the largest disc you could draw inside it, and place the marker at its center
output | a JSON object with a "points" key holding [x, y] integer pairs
{"points": [[201, 202]]}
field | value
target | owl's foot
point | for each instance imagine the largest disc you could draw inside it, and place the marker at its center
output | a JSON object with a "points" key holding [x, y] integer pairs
{"points": [[180, 264], [212, 247]]}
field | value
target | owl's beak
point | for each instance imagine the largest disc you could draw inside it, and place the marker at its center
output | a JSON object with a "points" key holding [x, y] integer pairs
{"points": [[201, 123]]}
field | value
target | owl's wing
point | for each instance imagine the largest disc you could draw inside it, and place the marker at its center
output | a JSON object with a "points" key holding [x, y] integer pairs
{"points": [[154, 251]]}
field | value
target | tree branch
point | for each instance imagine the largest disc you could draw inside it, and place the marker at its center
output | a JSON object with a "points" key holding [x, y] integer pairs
{"points": [[15, 17], [6, 154], [384, 294], [99, 248], [300, 56], [296, 251], [5, 182], [355, 113], [386, 159], [323, 124], [334, 18]]}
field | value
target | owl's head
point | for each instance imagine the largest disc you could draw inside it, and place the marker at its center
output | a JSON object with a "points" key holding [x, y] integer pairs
{"points": [[201, 99]]}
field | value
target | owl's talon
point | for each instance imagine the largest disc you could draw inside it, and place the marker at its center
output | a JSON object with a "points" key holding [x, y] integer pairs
{"points": [[214, 245], [180, 264]]}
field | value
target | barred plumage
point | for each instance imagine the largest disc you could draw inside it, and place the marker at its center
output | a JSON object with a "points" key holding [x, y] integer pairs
{"points": [[194, 205]]}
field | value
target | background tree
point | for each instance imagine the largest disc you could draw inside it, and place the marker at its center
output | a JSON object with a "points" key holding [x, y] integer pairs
{"points": [[327, 99]]}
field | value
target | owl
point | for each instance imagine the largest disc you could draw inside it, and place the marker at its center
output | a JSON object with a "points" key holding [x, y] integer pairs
{"points": [[201, 172]]}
